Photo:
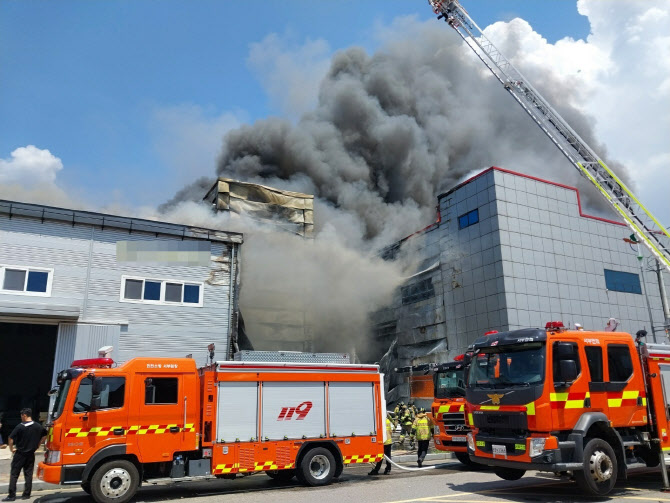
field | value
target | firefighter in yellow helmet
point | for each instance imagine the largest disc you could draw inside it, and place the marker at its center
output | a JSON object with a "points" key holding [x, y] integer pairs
{"points": [[388, 443], [406, 419], [424, 427]]}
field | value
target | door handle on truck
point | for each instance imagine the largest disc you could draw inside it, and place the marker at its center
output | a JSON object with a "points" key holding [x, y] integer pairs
{"points": [[174, 429], [119, 431]]}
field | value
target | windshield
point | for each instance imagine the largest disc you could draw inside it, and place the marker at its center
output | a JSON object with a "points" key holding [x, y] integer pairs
{"points": [[508, 366], [450, 383], [61, 396]]}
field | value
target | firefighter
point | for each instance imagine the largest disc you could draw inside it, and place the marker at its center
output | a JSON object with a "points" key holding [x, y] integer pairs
{"points": [[406, 421], [413, 408], [424, 426], [398, 409], [388, 443]]}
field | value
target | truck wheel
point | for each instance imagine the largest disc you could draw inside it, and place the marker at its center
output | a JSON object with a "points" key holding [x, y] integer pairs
{"points": [[115, 482], [317, 467], [281, 475], [509, 473], [465, 459], [599, 474]]}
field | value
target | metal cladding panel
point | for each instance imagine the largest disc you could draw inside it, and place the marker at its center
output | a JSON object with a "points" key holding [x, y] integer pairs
{"points": [[65, 344], [293, 410], [237, 412], [352, 408], [291, 357]]}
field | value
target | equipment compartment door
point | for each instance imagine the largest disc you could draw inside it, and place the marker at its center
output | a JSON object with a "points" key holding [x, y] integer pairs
{"points": [[351, 408], [237, 412], [665, 379], [293, 410]]}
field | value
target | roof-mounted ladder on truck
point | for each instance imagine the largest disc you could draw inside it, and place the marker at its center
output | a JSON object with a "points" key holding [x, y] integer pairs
{"points": [[645, 226]]}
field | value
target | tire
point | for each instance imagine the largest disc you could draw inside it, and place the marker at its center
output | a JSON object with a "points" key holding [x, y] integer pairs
{"points": [[281, 475], [317, 467], [465, 459], [599, 474], [509, 473], [115, 482]]}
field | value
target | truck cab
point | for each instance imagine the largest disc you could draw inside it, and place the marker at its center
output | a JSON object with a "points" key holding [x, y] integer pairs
{"points": [[450, 433], [563, 401], [143, 412]]}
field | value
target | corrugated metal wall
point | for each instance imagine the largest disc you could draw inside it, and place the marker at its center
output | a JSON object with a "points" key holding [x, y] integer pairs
{"points": [[77, 341], [143, 329]]}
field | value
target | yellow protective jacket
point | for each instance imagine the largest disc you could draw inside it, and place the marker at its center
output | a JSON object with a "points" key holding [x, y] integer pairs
{"points": [[423, 426], [389, 432]]}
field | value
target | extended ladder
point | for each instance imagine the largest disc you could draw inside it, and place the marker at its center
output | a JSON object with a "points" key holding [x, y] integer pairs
{"points": [[647, 228]]}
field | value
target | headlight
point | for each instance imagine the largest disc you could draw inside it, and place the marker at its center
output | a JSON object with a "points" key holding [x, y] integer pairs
{"points": [[536, 446], [471, 442], [52, 457]]}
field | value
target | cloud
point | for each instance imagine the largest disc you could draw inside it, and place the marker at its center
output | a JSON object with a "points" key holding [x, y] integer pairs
{"points": [[188, 137], [619, 76], [290, 72], [30, 166]]}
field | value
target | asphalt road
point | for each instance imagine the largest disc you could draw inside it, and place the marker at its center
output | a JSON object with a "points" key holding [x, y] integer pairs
{"points": [[450, 483]]}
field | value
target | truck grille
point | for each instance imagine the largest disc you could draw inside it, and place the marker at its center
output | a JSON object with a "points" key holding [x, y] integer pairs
{"points": [[454, 423], [501, 420]]}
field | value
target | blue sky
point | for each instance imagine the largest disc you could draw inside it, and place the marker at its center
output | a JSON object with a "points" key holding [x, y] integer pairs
{"points": [[87, 80]]}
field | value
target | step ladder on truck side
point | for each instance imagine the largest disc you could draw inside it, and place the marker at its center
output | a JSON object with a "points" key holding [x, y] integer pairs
{"points": [[646, 227]]}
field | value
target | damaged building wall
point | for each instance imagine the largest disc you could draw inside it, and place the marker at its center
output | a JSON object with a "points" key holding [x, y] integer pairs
{"points": [[277, 319]]}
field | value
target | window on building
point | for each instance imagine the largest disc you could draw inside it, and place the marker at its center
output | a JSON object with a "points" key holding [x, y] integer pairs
{"points": [[111, 397], [619, 362], [594, 356], [161, 390], [468, 219], [618, 281], [25, 280], [155, 291], [418, 291], [386, 329]]}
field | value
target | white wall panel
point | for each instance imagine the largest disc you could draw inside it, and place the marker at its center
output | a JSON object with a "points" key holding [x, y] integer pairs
{"points": [[279, 418]]}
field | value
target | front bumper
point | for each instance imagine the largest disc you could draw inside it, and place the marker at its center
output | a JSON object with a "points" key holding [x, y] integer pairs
{"points": [[446, 443], [538, 463], [49, 473]]}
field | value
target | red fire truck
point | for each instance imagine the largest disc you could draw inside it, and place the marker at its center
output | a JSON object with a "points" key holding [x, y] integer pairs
{"points": [[112, 428]]}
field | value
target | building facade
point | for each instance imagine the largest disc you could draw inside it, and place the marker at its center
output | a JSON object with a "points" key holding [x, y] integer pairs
{"points": [[72, 282], [511, 251]]}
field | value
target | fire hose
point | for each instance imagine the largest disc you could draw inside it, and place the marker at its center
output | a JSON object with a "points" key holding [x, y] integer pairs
{"points": [[431, 467]]}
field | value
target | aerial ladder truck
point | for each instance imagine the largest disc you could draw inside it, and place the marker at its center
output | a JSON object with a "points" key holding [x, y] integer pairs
{"points": [[644, 225]]}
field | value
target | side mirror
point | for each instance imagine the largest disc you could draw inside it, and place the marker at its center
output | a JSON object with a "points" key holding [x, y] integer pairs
{"points": [[565, 350], [568, 369], [96, 387], [95, 403]]}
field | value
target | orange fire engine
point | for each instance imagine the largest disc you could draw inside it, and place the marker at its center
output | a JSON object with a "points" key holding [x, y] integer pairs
{"points": [[162, 418], [449, 409], [587, 404]]}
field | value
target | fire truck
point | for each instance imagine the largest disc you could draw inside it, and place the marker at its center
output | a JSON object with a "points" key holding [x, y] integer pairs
{"points": [[445, 382], [590, 405], [153, 419], [448, 409]]}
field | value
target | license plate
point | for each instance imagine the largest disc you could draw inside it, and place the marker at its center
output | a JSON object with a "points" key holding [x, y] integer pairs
{"points": [[499, 450], [459, 439]]}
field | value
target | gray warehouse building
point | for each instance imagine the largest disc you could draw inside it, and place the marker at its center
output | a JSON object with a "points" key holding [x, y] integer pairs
{"points": [[510, 251], [73, 281]]}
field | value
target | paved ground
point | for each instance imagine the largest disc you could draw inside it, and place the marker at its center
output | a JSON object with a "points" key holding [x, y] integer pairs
{"points": [[450, 483]]}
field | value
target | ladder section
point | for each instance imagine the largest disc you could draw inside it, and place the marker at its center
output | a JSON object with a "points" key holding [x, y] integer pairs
{"points": [[646, 227]]}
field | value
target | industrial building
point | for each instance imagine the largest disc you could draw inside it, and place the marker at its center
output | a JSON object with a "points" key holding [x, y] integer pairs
{"points": [[74, 281], [510, 251]]}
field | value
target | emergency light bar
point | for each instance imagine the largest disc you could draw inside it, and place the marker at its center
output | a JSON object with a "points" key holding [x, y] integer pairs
{"points": [[98, 363], [553, 325]]}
